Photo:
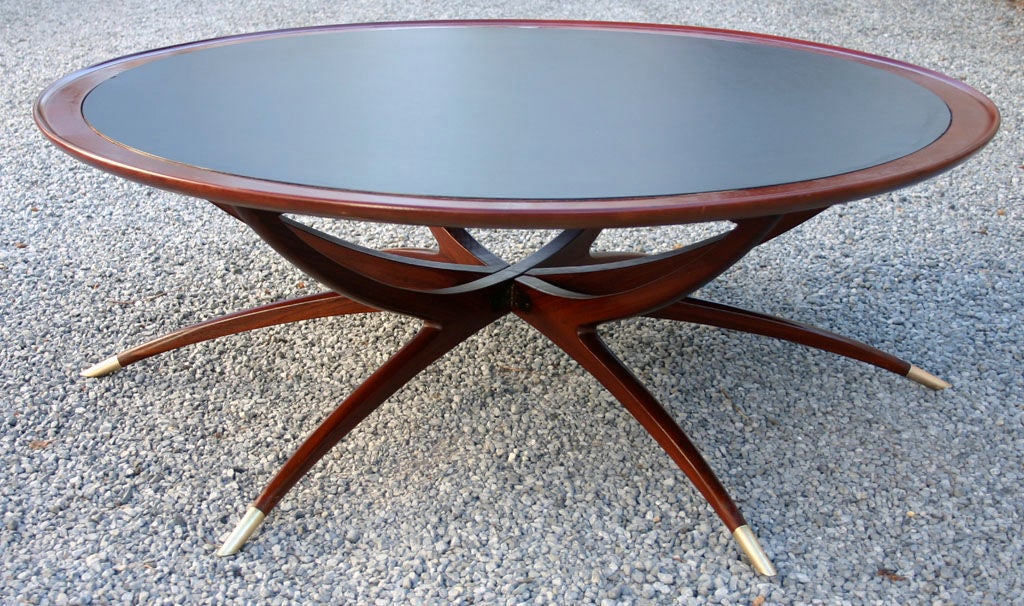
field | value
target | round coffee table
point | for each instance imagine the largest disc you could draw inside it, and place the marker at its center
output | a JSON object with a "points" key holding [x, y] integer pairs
{"points": [[515, 124]]}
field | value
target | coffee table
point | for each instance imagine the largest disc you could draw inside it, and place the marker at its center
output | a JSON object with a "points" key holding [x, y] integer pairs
{"points": [[572, 126]]}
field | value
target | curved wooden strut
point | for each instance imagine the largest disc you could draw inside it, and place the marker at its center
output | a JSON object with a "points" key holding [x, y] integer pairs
{"points": [[456, 300], [563, 290]]}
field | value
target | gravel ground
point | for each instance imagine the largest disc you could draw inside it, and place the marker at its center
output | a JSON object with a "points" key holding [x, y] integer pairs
{"points": [[503, 474]]}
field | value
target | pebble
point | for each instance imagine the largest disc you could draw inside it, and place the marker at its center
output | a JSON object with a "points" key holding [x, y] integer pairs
{"points": [[503, 470]]}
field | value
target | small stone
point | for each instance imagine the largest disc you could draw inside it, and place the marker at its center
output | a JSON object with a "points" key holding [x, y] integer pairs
{"points": [[95, 561]]}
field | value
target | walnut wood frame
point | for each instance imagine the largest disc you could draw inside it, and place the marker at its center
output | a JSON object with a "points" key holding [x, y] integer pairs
{"points": [[562, 290]]}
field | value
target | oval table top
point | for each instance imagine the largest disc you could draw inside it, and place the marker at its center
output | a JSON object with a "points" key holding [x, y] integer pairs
{"points": [[517, 123]]}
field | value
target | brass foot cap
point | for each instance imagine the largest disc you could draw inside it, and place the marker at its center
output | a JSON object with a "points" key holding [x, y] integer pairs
{"points": [[927, 379], [103, 368], [758, 558], [246, 527]]}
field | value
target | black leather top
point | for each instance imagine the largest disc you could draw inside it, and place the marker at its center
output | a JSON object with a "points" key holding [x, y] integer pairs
{"points": [[516, 112]]}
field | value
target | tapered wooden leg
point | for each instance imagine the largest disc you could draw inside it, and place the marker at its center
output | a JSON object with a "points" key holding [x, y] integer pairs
{"points": [[428, 345], [320, 305], [584, 345], [467, 288], [733, 318], [293, 310]]}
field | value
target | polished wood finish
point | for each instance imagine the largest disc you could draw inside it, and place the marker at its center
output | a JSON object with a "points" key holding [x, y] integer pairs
{"points": [[563, 290], [724, 316], [532, 289], [974, 122], [429, 344], [321, 305]]}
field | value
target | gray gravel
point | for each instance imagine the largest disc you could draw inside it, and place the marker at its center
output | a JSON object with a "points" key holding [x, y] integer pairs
{"points": [[503, 474]]}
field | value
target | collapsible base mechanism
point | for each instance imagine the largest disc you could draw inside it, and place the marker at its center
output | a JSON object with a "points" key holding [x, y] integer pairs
{"points": [[562, 290]]}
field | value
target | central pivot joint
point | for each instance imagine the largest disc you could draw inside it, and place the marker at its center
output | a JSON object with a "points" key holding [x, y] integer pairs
{"points": [[510, 298]]}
